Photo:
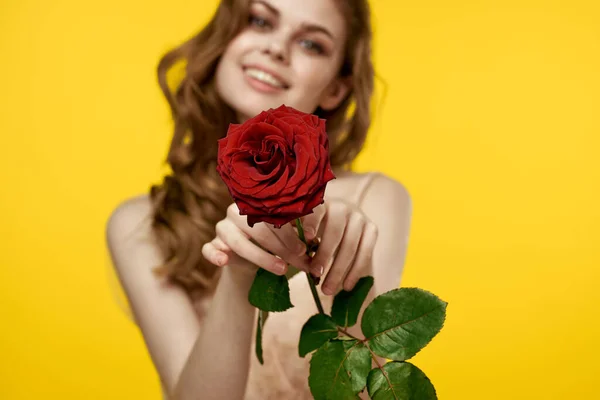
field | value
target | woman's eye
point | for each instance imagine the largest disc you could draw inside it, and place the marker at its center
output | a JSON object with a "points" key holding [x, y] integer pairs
{"points": [[313, 46], [259, 22]]}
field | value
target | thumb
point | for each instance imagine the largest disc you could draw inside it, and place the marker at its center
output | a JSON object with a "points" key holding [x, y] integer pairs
{"points": [[309, 234], [311, 222]]}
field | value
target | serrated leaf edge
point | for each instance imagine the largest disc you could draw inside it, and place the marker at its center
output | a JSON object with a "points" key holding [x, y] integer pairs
{"points": [[289, 300], [443, 305], [372, 280], [344, 361], [258, 342], [402, 327], [319, 331], [341, 363], [389, 382]]}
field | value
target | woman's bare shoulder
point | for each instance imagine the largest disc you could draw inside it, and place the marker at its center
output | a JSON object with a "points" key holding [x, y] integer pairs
{"points": [[156, 302], [130, 223], [130, 242], [355, 186], [133, 209]]}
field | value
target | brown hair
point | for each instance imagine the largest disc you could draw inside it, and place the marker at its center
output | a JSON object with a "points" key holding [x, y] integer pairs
{"points": [[191, 200]]}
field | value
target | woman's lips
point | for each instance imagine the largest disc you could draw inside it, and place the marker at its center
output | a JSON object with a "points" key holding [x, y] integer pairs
{"points": [[260, 85]]}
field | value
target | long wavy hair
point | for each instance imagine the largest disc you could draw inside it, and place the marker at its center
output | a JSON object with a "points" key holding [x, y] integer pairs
{"points": [[193, 198]]}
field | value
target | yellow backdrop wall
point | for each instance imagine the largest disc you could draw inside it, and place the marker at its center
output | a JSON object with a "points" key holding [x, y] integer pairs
{"points": [[491, 121]]}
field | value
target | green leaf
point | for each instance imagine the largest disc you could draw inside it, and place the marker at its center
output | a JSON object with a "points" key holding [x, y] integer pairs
{"points": [[338, 369], [291, 271], [260, 324], [358, 364], [270, 292], [399, 323], [400, 381], [346, 305], [316, 332]]}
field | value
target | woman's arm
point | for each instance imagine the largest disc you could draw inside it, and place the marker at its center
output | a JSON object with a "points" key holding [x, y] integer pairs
{"points": [[192, 361], [388, 204], [219, 361]]}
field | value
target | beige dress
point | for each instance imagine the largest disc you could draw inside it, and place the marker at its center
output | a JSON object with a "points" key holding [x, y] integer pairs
{"points": [[284, 374]]}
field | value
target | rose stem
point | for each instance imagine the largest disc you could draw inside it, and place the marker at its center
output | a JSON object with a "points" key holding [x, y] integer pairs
{"points": [[311, 282]]}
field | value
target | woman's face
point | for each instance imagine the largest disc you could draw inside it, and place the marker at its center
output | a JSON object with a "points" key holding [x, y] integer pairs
{"points": [[289, 53]]}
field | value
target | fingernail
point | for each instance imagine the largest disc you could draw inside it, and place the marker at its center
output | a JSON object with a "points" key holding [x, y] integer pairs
{"points": [[309, 234], [280, 266], [305, 263], [221, 260], [317, 271]]}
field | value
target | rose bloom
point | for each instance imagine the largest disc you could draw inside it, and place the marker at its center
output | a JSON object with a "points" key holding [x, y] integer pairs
{"points": [[276, 165]]}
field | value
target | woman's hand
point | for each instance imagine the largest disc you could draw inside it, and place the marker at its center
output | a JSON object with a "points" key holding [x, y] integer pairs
{"points": [[347, 242], [237, 244]]}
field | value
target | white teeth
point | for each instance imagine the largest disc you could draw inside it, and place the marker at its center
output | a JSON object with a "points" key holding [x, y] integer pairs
{"points": [[264, 77]]}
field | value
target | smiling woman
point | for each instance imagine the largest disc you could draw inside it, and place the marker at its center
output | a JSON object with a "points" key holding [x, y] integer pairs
{"points": [[170, 247], [301, 54]]}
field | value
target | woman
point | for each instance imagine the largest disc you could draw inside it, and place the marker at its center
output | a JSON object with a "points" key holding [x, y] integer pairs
{"points": [[193, 310]]}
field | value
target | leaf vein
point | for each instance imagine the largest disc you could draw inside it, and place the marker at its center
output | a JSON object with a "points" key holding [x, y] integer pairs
{"points": [[404, 323], [341, 365]]}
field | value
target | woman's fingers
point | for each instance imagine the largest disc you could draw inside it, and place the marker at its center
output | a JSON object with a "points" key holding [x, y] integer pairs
{"points": [[346, 254], [214, 255], [363, 256], [270, 239], [311, 222], [333, 226], [220, 245], [239, 243], [288, 236]]}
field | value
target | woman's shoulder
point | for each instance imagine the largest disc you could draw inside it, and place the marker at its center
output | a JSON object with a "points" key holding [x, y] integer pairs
{"points": [[129, 230], [133, 209], [356, 185], [131, 216], [153, 302], [354, 179]]}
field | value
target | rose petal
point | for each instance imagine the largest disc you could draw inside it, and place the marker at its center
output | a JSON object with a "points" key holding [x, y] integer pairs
{"points": [[276, 165]]}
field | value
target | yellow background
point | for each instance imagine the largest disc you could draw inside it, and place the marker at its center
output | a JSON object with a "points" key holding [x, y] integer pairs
{"points": [[491, 121]]}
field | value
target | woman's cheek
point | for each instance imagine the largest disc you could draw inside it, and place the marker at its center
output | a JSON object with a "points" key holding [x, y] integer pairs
{"points": [[316, 80]]}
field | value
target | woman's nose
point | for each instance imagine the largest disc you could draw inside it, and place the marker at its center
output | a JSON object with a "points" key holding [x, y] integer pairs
{"points": [[276, 50]]}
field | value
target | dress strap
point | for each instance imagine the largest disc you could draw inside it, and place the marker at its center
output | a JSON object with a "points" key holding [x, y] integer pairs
{"points": [[363, 186]]}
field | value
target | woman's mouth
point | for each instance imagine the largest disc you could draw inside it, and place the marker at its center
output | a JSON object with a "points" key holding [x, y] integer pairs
{"points": [[263, 80]]}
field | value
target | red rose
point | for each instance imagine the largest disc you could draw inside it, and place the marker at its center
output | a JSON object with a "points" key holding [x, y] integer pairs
{"points": [[276, 165]]}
